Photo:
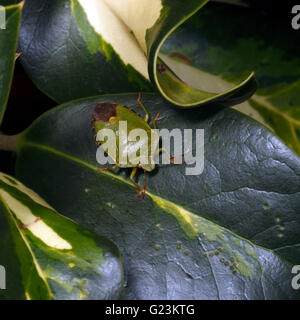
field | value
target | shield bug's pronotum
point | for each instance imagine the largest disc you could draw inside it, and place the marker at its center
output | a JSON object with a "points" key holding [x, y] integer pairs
{"points": [[108, 115]]}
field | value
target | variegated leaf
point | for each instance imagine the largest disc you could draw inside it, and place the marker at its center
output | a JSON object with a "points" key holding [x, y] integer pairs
{"points": [[48, 256]]}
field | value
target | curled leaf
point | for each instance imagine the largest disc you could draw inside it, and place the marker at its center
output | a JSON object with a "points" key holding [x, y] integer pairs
{"points": [[79, 48]]}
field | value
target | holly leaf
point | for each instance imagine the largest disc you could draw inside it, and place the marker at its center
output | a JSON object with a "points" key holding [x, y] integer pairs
{"points": [[77, 48], [10, 15], [47, 256], [230, 233]]}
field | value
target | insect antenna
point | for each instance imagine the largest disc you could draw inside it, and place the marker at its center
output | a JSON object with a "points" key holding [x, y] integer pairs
{"points": [[143, 107], [155, 120], [144, 192]]}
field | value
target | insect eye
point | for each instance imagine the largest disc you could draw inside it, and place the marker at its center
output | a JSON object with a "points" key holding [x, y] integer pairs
{"points": [[112, 119]]}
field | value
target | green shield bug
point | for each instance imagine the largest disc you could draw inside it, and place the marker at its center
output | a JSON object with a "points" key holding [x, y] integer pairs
{"points": [[108, 115]]}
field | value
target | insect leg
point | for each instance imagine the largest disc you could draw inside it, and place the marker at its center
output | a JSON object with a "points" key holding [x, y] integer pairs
{"points": [[110, 169], [172, 159], [133, 172], [155, 120], [17, 55], [143, 107]]}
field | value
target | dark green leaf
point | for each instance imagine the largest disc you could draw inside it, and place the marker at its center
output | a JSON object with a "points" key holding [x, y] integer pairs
{"points": [[9, 2], [8, 43], [246, 203], [278, 8], [47, 256], [75, 48]]}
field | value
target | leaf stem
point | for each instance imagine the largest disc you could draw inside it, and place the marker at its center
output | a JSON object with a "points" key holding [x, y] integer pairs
{"points": [[8, 143]]}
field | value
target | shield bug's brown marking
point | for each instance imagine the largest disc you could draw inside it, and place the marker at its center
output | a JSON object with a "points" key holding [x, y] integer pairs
{"points": [[104, 111]]}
